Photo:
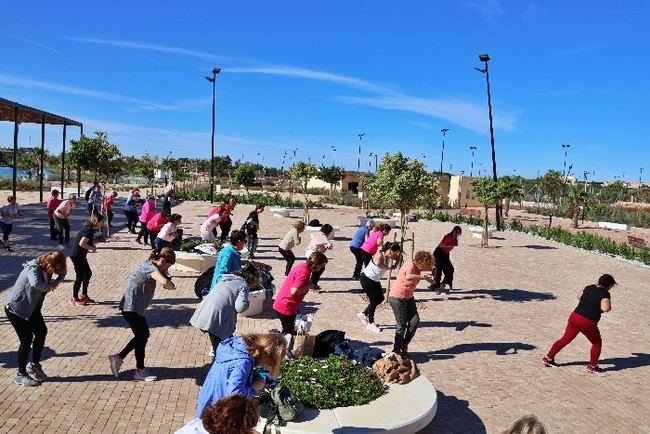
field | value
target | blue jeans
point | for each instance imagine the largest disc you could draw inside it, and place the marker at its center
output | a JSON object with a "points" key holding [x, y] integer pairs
{"points": [[159, 243]]}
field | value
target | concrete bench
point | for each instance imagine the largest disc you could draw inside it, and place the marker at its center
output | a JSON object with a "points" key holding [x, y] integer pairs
{"points": [[192, 262], [477, 231], [392, 222], [636, 241], [405, 409], [280, 212], [614, 226], [311, 229]]}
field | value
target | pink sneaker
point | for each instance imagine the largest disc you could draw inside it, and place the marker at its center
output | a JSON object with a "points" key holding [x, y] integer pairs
{"points": [[77, 302]]}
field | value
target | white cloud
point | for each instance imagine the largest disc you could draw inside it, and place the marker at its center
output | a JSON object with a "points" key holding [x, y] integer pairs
{"points": [[133, 104], [29, 41], [147, 46], [490, 10]]}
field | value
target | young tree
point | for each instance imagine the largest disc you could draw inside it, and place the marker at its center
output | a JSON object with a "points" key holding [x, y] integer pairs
{"points": [[552, 183], [147, 166], [486, 191], [301, 173], [94, 154], [510, 190], [245, 175], [332, 175], [401, 183], [577, 197], [30, 161]]}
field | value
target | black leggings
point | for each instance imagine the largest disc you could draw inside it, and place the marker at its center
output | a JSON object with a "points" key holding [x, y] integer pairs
{"points": [[289, 257], [443, 265], [83, 275], [287, 322], [365, 257], [225, 229], [315, 276], [140, 337], [406, 321], [356, 251], [63, 228], [144, 232], [215, 341], [6, 230], [375, 295], [110, 216], [131, 220], [28, 331], [54, 234]]}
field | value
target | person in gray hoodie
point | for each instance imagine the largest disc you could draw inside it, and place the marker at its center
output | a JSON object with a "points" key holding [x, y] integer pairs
{"points": [[23, 309], [216, 315]]}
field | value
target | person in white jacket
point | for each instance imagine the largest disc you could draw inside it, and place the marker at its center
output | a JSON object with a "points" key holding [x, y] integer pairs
{"points": [[291, 240]]}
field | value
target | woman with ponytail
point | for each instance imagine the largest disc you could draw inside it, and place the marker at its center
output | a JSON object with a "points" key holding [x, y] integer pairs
{"points": [[137, 297], [85, 243], [371, 281]]}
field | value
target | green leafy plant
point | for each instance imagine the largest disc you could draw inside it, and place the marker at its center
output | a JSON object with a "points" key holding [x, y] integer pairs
{"points": [[301, 173], [487, 191], [330, 383]]}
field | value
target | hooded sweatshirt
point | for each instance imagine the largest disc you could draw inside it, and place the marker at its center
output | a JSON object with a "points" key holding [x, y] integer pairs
{"points": [[217, 313], [29, 291], [231, 373]]}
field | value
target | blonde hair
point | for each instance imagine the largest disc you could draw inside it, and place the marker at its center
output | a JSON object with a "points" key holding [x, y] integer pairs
{"points": [[267, 349], [165, 253], [528, 424], [424, 260], [299, 225], [52, 263]]}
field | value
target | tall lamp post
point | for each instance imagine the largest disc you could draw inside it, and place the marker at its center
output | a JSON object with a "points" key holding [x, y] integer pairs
{"points": [[566, 151], [640, 175], [213, 80], [360, 135], [485, 59], [472, 148], [442, 155], [333, 155]]}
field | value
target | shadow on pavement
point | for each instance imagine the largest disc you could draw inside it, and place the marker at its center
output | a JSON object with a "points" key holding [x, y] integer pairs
{"points": [[455, 416], [9, 360], [637, 360], [457, 325], [506, 294], [500, 348], [537, 247]]}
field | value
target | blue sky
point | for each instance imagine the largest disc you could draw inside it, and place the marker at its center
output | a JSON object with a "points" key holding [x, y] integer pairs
{"points": [[313, 75]]}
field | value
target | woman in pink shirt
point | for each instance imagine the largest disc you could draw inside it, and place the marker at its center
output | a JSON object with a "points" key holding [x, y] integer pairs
{"points": [[148, 211], [373, 242], [61, 215], [294, 289], [402, 301], [320, 242], [52, 203], [443, 262]]}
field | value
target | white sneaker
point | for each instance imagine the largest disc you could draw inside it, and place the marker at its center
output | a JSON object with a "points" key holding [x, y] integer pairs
{"points": [[211, 353], [143, 375], [373, 327], [363, 318]]}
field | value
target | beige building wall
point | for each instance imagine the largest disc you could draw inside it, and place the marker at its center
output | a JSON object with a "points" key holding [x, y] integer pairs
{"points": [[460, 192], [350, 182]]}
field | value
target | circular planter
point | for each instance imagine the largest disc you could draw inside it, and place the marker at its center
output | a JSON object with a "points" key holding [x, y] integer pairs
{"points": [[477, 231], [405, 409], [392, 222]]}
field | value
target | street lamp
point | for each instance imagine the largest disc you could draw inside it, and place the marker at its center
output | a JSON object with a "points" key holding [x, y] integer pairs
{"points": [[333, 155], [485, 58], [213, 80], [442, 156], [370, 162], [472, 148], [640, 175], [566, 150], [360, 135]]}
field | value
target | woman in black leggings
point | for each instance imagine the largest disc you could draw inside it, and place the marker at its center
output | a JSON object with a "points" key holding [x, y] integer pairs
{"points": [[85, 243], [23, 309], [443, 262], [137, 297]]}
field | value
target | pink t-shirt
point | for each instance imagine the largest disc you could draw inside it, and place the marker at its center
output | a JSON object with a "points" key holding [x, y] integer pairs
{"points": [[148, 211], [404, 288], [64, 209], [227, 209], [285, 303], [370, 245]]}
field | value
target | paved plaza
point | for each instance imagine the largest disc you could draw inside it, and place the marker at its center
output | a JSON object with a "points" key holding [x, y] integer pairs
{"points": [[481, 346]]}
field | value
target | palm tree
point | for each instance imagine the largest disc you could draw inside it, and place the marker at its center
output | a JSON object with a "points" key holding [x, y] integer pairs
{"points": [[577, 198]]}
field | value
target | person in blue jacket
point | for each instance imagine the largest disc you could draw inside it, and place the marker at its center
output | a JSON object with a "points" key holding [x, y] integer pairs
{"points": [[229, 259], [233, 371], [358, 239]]}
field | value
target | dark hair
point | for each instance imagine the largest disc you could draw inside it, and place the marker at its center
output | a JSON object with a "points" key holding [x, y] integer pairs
{"points": [[383, 227], [175, 217], [389, 245], [165, 213], [606, 281], [316, 258], [326, 229], [249, 273], [457, 228], [234, 414], [94, 219], [166, 253], [259, 206], [55, 192], [236, 237]]}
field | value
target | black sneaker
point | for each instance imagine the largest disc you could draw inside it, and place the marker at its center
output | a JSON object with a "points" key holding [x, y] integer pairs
{"points": [[549, 363]]}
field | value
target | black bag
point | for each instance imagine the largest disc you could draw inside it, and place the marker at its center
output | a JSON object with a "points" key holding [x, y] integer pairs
{"points": [[314, 223], [281, 407], [203, 282], [326, 342], [87, 195]]}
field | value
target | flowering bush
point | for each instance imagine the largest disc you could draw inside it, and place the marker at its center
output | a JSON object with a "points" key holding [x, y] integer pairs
{"points": [[333, 382]]}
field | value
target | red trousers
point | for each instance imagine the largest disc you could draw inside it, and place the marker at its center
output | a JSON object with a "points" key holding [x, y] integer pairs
{"points": [[579, 324]]}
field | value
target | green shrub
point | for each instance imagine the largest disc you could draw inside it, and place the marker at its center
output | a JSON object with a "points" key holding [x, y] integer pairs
{"points": [[346, 198], [270, 199], [333, 382]]}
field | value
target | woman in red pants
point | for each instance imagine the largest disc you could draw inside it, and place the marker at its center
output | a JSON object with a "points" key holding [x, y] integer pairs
{"points": [[594, 300]]}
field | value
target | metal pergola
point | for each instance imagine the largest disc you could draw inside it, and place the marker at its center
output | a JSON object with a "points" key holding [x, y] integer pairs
{"points": [[17, 113]]}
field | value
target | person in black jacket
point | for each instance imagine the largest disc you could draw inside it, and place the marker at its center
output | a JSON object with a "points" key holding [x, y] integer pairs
{"points": [[594, 300]]}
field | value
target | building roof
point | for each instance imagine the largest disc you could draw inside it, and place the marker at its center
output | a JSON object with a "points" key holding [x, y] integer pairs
{"points": [[31, 115]]}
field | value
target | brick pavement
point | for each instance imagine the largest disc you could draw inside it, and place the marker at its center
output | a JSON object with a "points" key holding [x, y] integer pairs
{"points": [[481, 346]]}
